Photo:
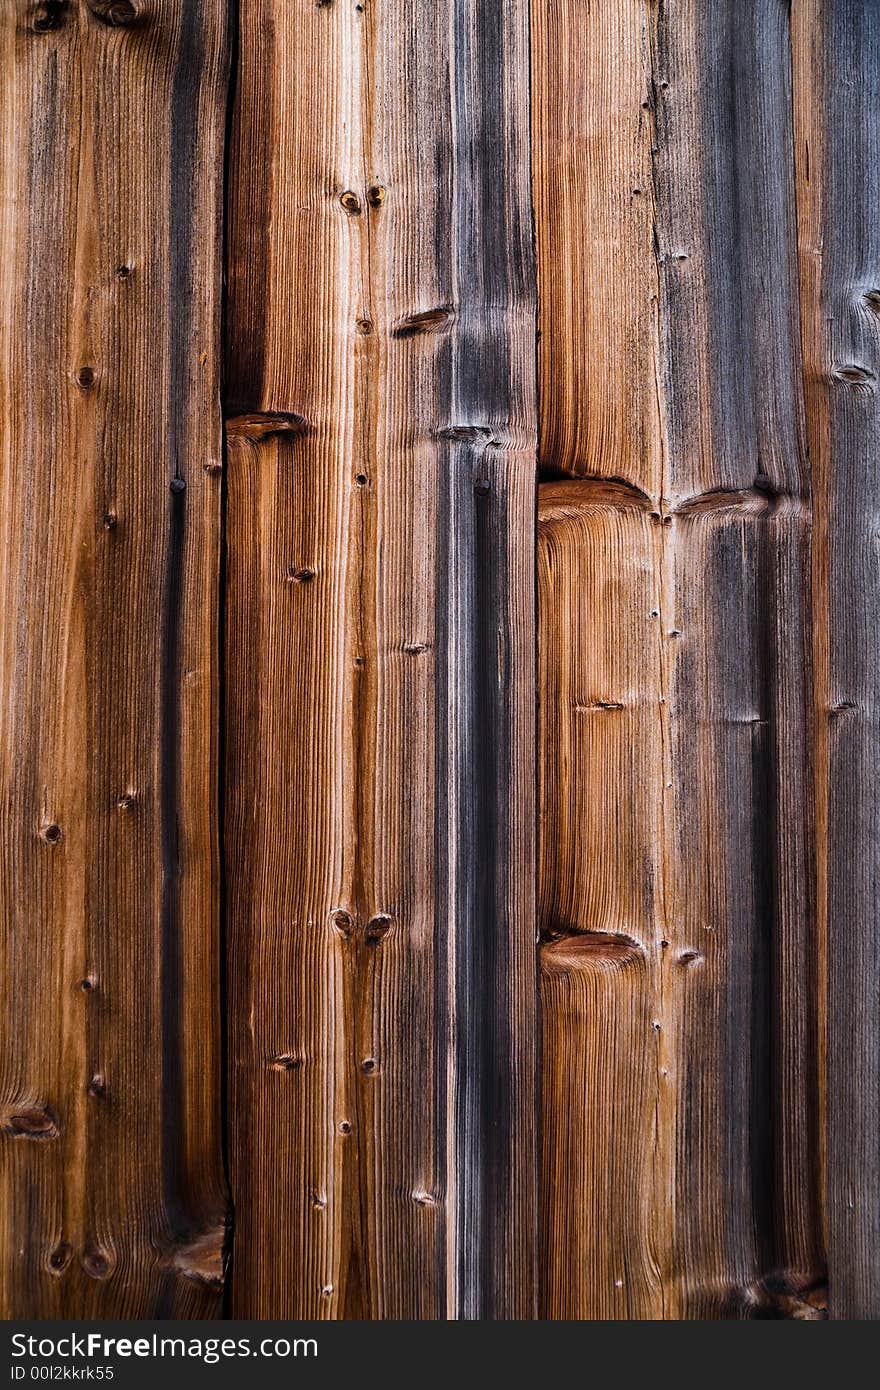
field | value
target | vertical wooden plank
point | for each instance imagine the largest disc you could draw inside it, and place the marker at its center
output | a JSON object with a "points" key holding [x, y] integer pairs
{"points": [[606, 1188], [608, 1118], [113, 1198], [739, 477], [699, 844], [597, 273], [836, 48], [380, 663]]}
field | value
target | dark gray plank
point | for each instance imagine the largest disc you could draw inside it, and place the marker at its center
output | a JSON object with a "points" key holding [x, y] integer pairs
{"points": [[837, 89], [738, 489]]}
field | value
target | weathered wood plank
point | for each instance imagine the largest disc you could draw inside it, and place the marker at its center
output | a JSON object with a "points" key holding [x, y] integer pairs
{"points": [[749, 1240], [836, 71], [111, 131], [600, 876], [380, 664], [597, 273], [684, 830]]}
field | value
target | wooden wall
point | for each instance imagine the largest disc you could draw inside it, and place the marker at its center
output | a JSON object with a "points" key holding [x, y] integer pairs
{"points": [[438, 712]]}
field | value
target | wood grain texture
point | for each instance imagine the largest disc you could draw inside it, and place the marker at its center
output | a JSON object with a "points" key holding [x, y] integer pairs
{"points": [[593, 197], [836, 75], [675, 584], [690, 1128], [111, 129], [380, 664], [601, 797]]}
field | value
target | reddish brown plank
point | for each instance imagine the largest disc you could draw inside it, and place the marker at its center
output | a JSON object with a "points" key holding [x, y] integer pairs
{"points": [[674, 569], [112, 1200]]}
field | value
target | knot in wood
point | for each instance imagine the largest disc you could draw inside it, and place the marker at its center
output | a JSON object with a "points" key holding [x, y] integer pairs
{"points": [[95, 1262], [114, 13], [49, 16], [377, 929]]}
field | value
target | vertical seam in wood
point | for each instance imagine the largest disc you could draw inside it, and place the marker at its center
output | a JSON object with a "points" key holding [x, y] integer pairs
{"points": [[661, 1244], [231, 90], [537, 1107]]}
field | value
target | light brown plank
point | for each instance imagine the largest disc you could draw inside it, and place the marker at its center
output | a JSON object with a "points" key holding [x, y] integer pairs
{"points": [[597, 274], [380, 663], [112, 120], [682, 822], [606, 1177]]}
